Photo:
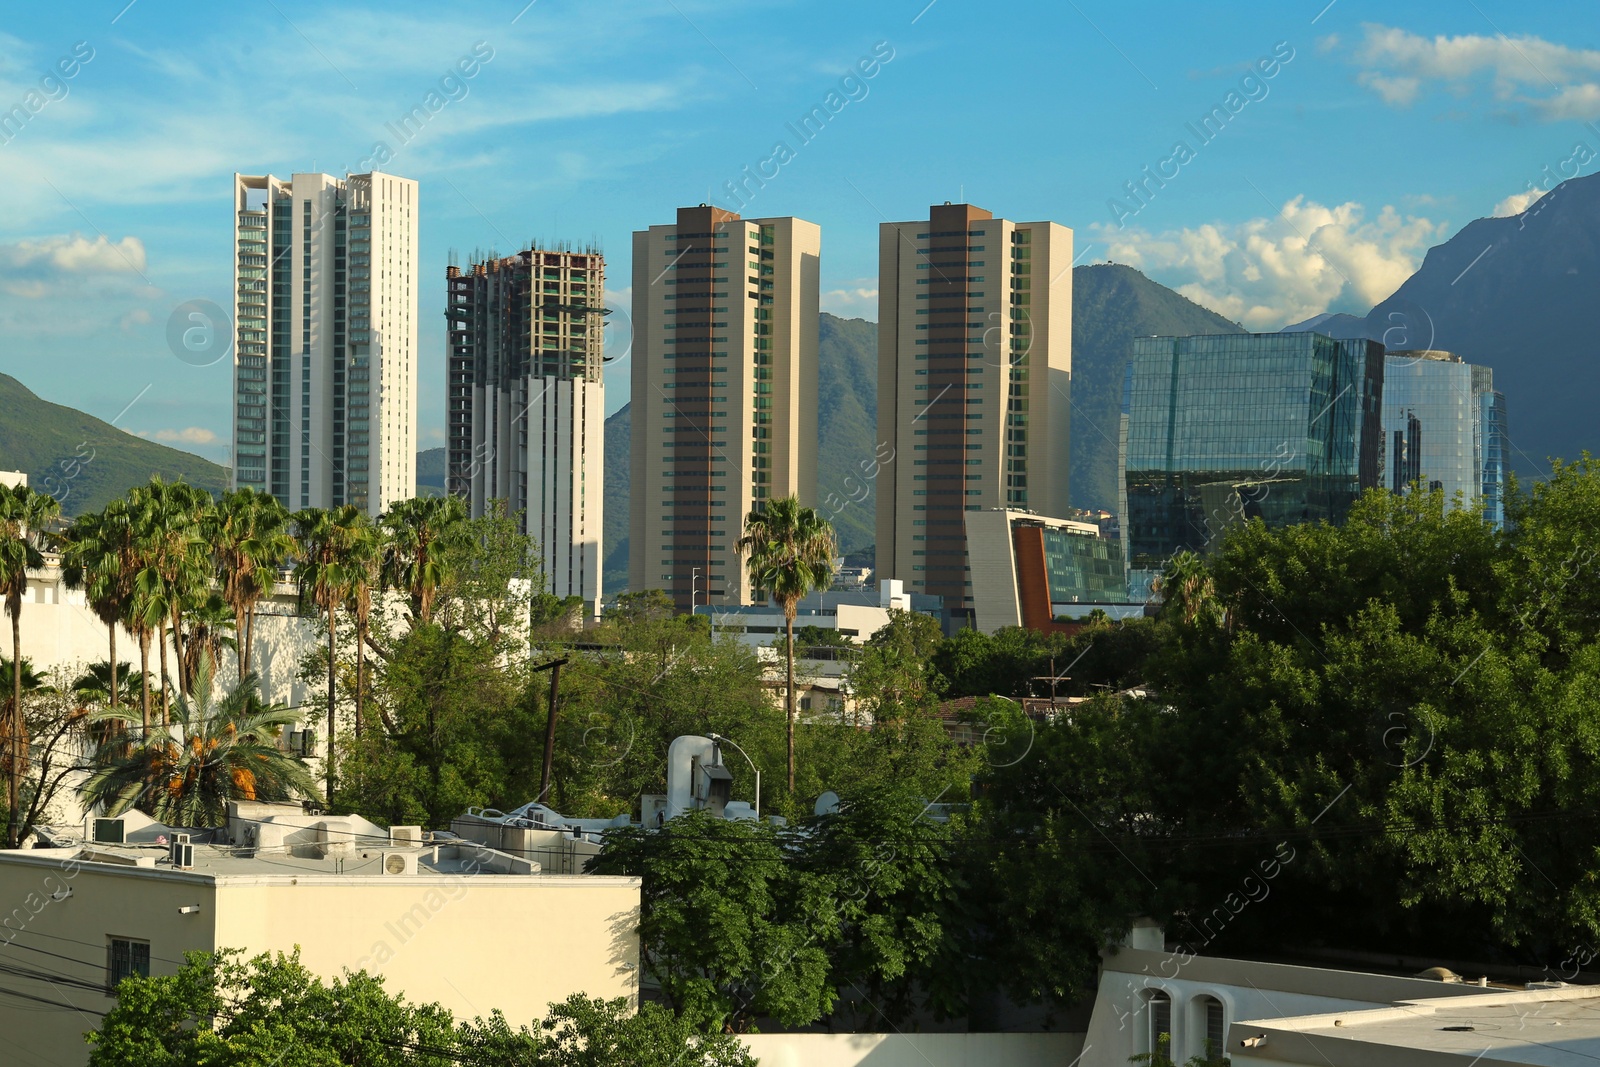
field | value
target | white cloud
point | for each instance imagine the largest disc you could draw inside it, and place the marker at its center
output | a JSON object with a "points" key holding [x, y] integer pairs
{"points": [[136, 317], [74, 254], [1516, 203], [852, 302], [1397, 92], [1265, 273], [189, 435], [1553, 80]]}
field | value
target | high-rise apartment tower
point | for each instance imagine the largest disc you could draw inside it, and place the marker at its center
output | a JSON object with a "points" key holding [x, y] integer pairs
{"points": [[724, 400], [325, 313], [974, 376], [526, 403]]}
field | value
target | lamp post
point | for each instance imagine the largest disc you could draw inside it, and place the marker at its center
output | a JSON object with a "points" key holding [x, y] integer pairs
{"points": [[719, 739]]}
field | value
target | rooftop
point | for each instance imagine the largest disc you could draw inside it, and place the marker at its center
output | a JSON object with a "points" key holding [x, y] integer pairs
{"points": [[1553, 1027]]}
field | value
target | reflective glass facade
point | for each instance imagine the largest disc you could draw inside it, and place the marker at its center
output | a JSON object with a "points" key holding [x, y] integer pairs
{"points": [[1220, 428], [1444, 428], [1083, 568]]}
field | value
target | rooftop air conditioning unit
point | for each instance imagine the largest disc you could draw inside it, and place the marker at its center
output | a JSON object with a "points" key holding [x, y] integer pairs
{"points": [[182, 852], [405, 836], [399, 863]]}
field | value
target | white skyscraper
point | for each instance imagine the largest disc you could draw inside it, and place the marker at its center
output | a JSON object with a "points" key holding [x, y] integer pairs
{"points": [[325, 313]]}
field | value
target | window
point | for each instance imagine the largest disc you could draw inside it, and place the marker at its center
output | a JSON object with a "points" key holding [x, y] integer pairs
{"points": [[1161, 1025], [128, 959], [1216, 1026]]}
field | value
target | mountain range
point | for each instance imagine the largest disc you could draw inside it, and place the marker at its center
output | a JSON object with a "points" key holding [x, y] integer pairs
{"points": [[1518, 295], [82, 461], [1510, 293]]}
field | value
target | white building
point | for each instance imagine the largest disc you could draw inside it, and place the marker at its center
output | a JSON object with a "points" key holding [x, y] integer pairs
{"points": [[1152, 998], [325, 313], [1552, 1027], [440, 920], [526, 403]]}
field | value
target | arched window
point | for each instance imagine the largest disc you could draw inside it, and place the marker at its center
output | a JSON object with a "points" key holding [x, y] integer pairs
{"points": [[1215, 1018], [1160, 1037]]}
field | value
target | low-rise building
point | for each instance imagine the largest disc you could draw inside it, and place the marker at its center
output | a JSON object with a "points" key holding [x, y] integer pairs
{"points": [[1176, 1002], [1035, 569], [440, 918]]}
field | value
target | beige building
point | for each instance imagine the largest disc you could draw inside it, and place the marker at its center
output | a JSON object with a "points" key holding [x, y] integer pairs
{"points": [[974, 373], [325, 346], [526, 403], [469, 927], [724, 394]]}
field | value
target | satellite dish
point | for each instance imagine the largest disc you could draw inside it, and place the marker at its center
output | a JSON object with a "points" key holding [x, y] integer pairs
{"points": [[827, 804]]}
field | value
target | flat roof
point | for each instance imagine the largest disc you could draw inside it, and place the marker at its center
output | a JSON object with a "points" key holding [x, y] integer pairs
{"points": [[1549, 1027], [359, 865]]}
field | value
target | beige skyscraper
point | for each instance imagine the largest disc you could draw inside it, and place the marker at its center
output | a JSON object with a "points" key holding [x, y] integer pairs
{"points": [[526, 403], [325, 313], [724, 394], [974, 375]]}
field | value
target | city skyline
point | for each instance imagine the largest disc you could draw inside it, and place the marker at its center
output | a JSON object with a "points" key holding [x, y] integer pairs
{"points": [[93, 269]]}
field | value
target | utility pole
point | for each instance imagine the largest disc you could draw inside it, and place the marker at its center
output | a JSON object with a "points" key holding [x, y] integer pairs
{"points": [[694, 582], [554, 667]]}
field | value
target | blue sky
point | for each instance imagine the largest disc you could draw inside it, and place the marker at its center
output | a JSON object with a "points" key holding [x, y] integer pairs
{"points": [[1381, 130]]}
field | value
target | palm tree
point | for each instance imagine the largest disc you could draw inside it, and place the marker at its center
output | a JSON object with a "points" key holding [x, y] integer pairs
{"points": [[106, 685], [16, 726], [99, 560], [329, 554], [1186, 587], [789, 552], [211, 621], [249, 536], [421, 533], [182, 555], [366, 559], [23, 514], [171, 561], [213, 752]]}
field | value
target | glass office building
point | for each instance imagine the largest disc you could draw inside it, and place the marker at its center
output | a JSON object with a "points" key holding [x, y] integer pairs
{"points": [[1284, 427], [1444, 428]]}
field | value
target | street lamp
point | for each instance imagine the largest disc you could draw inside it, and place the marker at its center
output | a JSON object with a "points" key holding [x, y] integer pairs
{"points": [[719, 739]]}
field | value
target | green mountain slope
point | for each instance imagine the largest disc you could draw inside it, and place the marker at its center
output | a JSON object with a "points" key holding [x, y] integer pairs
{"points": [[1111, 305], [847, 416], [614, 543], [430, 472], [83, 461], [847, 426]]}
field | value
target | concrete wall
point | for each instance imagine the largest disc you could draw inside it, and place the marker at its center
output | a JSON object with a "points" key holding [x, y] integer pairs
{"points": [[915, 1050], [69, 939], [471, 943]]}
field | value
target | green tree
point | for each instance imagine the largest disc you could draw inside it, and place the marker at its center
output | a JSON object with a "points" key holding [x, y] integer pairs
{"points": [[789, 551], [268, 1010], [422, 536], [897, 672], [250, 541], [729, 931], [588, 1032], [332, 557], [23, 517], [213, 752], [227, 1011], [99, 559]]}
